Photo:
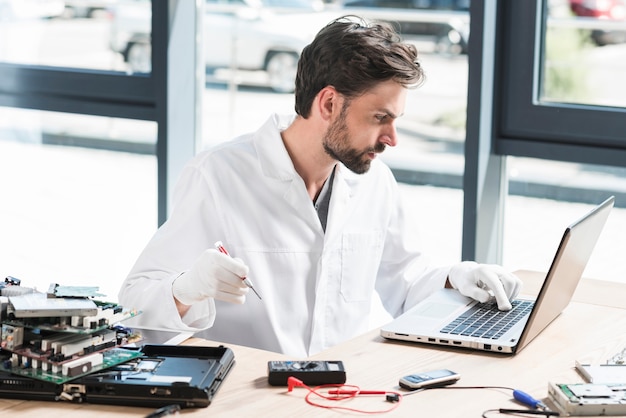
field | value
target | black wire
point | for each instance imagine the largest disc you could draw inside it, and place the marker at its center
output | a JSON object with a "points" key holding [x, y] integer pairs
{"points": [[473, 387], [519, 412], [164, 411], [547, 413], [457, 387], [484, 414]]}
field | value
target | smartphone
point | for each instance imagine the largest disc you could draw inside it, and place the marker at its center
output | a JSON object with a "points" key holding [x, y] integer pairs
{"points": [[434, 378]]}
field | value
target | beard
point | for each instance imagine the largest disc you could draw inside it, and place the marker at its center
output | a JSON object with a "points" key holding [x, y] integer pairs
{"points": [[336, 143]]}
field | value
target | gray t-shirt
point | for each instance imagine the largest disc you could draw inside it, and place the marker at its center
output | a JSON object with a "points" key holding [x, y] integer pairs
{"points": [[323, 200]]}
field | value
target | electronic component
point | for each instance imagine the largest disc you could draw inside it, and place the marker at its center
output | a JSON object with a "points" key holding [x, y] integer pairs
{"points": [[55, 356], [602, 373], [4, 304], [588, 399], [62, 334], [9, 283], [434, 378], [65, 371], [612, 371], [11, 337], [39, 305], [12, 281], [103, 319], [309, 372], [57, 291]]}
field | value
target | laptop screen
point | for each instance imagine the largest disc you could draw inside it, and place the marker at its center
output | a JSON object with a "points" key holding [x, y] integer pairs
{"points": [[567, 268]]}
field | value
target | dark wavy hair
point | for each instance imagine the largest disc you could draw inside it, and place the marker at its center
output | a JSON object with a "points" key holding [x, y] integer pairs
{"points": [[353, 56]]}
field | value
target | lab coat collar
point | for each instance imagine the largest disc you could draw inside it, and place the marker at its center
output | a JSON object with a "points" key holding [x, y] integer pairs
{"points": [[276, 163], [341, 207], [273, 156]]}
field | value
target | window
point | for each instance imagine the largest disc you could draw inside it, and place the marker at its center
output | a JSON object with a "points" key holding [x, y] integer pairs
{"points": [[99, 35], [539, 126], [583, 44], [545, 197], [556, 96], [75, 215], [71, 207]]}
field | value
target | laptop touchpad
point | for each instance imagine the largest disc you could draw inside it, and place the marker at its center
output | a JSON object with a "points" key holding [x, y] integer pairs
{"points": [[436, 310]]}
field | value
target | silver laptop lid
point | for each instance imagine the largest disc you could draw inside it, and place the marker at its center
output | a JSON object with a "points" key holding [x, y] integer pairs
{"points": [[566, 269]]}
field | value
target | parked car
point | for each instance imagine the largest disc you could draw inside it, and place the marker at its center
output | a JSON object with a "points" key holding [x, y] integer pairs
{"points": [[86, 8], [444, 22], [254, 35], [611, 10]]}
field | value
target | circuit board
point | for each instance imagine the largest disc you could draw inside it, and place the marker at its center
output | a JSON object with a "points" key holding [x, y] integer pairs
{"points": [[106, 315], [62, 334], [86, 365]]}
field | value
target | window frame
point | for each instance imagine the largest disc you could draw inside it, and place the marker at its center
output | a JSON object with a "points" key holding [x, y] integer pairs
{"points": [[503, 119], [557, 131], [137, 96]]}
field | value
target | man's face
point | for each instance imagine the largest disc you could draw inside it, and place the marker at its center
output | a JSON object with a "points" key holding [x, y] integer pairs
{"points": [[365, 126]]}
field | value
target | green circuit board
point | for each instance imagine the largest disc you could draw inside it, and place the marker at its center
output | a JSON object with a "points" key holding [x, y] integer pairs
{"points": [[110, 358]]}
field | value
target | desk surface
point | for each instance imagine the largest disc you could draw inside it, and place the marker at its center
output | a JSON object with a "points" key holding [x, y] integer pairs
{"points": [[374, 363]]}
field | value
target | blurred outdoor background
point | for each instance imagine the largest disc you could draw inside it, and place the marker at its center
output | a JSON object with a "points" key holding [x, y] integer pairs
{"points": [[79, 193]]}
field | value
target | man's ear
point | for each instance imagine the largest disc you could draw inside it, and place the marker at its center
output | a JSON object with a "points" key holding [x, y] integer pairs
{"points": [[328, 102]]}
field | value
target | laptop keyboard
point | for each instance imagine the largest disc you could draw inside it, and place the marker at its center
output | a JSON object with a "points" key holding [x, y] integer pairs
{"points": [[487, 321]]}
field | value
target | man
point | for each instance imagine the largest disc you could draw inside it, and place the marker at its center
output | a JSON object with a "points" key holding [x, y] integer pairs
{"points": [[313, 218]]}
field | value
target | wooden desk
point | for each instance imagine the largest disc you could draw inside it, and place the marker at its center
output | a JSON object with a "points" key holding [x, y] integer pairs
{"points": [[376, 364]]}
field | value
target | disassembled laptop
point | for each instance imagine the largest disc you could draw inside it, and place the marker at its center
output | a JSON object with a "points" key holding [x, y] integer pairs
{"points": [[64, 345], [62, 334]]}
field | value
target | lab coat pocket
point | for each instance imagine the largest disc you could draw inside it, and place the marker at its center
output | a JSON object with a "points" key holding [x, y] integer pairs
{"points": [[360, 258]]}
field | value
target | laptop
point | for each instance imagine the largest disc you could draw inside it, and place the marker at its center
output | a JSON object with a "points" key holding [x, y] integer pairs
{"points": [[448, 318]]}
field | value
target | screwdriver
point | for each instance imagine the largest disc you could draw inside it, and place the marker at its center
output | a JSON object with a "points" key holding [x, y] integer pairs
{"points": [[526, 399], [539, 408]]}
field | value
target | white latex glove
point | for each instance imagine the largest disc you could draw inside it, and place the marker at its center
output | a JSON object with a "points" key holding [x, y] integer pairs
{"points": [[213, 275], [483, 282]]}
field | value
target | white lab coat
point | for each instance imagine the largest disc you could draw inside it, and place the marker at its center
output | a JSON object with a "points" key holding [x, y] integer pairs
{"points": [[318, 288]]}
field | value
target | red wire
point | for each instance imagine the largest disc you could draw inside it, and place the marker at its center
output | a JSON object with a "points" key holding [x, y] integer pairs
{"points": [[355, 391]]}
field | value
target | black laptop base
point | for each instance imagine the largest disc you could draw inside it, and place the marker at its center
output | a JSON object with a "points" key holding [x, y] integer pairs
{"points": [[187, 376]]}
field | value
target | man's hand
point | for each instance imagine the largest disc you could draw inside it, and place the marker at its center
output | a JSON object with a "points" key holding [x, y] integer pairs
{"points": [[213, 275], [485, 281]]}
